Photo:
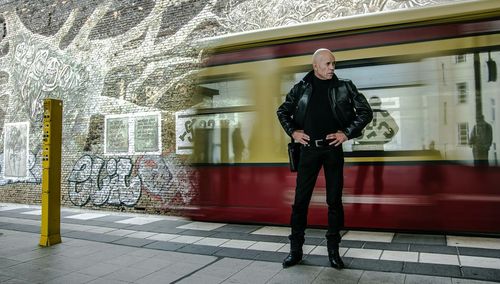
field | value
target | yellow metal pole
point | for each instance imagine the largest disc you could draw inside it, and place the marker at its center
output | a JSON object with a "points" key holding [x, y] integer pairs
{"points": [[51, 173]]}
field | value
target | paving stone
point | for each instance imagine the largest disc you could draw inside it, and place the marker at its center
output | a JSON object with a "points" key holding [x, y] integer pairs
{"points": [[255, 272], [318, 260], [106, 281], [65, 232], [23, 228], [313, 241], [4, 224], [237, 253], [249, 237], [161, 224], [30, 217], [17, 210], [9, 214], [316, 233], [65, 213], [433, 249], [165, 245], [479, 252], [199, 249], [166, 230], [469, 281], [134, 242], [100, 269], [424, 279], [351, 244], [236, 228], [482, 273], [271, 256], [297, 274], [432, 269], [35, 275], [221, 269], [128, 274], [197, 233], [74, 221], [331, 275], [201, 278], [420, 239], [386, 246], [4, 278], [171, 273], [74, 277], [372, 277], [92, 236], [6, 262], [116, 225], [110, 218], [377, 265]]}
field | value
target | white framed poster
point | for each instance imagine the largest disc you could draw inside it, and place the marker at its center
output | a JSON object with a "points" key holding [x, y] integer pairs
{"points": [[147, 139], [116, 134], [16, 150], [132, 134]]}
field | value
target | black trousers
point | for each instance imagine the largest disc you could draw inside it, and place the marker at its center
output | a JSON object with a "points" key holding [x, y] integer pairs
{"points": [[311, 161]]}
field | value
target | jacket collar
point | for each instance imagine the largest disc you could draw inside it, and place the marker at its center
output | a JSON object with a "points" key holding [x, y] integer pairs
{"points": [[308, 78]]}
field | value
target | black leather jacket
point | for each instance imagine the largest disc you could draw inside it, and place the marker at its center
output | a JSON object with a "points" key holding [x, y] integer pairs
{"points": [[349, 106]]}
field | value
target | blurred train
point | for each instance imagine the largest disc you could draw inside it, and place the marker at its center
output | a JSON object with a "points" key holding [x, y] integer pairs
{"points": [[430, 75]]}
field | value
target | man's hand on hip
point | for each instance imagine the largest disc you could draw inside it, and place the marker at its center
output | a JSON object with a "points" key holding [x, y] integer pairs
{"points": [[301, 137], [336, 138]]}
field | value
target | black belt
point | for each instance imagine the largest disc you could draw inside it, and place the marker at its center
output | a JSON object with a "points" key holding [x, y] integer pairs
{"points": [[319, 143]]}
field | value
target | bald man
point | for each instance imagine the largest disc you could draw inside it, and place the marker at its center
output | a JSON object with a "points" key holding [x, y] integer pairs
{"points": [[321, 112]]}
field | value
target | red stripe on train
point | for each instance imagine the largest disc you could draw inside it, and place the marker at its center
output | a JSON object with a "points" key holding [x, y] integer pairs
{"points": [[452, 198]]}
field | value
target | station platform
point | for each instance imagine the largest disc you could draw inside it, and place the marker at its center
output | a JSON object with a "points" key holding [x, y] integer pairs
{"points": [[114, 247]]}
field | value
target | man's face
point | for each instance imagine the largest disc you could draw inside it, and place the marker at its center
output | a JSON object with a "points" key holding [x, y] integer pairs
{"points": [[324, 65]]}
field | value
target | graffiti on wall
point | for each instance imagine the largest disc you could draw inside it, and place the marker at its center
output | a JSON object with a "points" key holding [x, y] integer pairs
{"points": [[38, 73], [4, 47], [119, 181]]}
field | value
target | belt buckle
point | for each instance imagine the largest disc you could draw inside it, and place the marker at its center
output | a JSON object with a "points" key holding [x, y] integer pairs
{"points": [[318, 143]]}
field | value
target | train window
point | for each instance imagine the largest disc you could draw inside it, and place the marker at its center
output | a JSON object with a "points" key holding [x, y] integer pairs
{"points": [[219, 130], [228, 93], [222, 137], [463, 133], [462, 92], [460, 58]]}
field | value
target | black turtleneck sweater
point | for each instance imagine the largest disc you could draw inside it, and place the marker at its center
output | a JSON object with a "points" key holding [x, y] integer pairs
{"points": [[319, 117]]}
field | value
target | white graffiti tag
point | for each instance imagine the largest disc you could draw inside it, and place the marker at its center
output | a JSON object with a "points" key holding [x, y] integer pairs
{"points": [[93, 179]]}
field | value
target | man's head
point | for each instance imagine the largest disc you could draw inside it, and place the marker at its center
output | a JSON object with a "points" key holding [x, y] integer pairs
{"points": [[323, 64]]}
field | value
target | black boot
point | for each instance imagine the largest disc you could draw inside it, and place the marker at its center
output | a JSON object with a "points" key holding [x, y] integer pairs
{"points": [[293, 258], [334, 258]]}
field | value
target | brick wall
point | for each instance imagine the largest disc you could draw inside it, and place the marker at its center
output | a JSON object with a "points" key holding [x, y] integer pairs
{"points": [[130, 61]]}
